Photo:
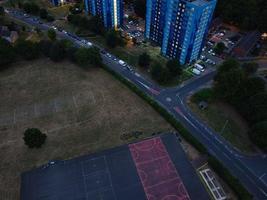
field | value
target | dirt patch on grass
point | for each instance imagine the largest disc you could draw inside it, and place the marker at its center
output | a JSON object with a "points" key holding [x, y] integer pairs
{"points": [[80, 111]]}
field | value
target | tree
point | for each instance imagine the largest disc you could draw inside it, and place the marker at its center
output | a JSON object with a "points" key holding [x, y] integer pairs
{"points": [[258, 134], [57, 51], [88, 56], [50, 18], [219, 48], [140, 8], [34, 138], [43, 13], [7, 55], [52, 35], [27, 49], [95, 24], [174, 67], [71, 52], [113, 39], [228, 65], [134, 40], [244, 13], [159, 73], [45, 46], [254, 108], [250, 68], [144, 60], [227, 85], [31, 8], [2, 11]]}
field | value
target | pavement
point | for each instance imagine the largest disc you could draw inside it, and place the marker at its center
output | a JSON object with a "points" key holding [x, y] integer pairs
{"points": [[251, 170], [155, 168]]}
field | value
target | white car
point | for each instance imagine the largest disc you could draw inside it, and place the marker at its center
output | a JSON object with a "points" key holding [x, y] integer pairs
{"points": [[89, 44], [196, 71], [121, 62]]}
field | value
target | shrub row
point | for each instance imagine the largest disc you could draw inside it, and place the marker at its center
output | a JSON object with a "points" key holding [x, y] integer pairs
{"points": [[224, 173]]}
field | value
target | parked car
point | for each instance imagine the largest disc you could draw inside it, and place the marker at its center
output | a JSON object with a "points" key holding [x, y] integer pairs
{"points": [[196, 71], [199, 67]]}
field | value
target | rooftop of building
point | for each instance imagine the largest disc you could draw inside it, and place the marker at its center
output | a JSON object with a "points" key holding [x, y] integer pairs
{"points": [[155, 168]]}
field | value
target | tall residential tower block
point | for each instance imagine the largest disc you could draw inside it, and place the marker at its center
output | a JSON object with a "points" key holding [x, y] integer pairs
{"points": [[179, 26], [110, 11]]}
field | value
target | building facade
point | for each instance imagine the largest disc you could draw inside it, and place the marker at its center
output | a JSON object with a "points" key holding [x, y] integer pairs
{"points": [[110, 11], [179, 26]]}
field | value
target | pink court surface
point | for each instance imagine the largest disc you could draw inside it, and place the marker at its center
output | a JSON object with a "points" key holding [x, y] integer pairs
{"points": [[157, 172]]}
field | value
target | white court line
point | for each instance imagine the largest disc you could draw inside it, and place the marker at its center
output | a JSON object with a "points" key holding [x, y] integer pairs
{"points": [[111, 185], [262, 176], [14, 117], [74, 101], [265, 194]]}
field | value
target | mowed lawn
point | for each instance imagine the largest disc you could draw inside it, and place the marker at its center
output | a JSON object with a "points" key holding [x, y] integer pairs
{"points": [[227, 122], [80, 111]]}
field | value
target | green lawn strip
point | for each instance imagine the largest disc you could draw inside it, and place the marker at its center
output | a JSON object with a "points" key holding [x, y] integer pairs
{"points": [[224, 173], [224, 125]]}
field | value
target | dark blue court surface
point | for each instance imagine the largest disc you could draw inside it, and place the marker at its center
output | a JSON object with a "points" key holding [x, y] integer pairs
{"points": [[107, 175]]}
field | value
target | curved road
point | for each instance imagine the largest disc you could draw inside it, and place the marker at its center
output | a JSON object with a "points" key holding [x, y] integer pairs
{"points": [[250, 170]]}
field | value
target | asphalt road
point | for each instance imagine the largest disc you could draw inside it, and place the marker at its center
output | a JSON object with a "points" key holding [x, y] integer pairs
{"points": [[250, 170]]}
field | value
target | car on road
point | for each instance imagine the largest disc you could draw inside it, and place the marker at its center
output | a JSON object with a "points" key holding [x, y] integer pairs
{"points": [[108, 55], [103, 52], [121, 62]]}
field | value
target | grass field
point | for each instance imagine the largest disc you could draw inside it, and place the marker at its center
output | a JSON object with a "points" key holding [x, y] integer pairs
{"points": [[225, 121], [80, 111]]}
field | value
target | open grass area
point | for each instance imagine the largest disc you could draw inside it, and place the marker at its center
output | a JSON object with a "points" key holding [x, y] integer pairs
{"points": [[227, 122], [80, 111]]}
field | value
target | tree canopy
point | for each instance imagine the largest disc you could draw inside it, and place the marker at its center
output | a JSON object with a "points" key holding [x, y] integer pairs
{"points": [[7, 55], [246, 93], [219, 48], [160, 73], [144, 60], [258, 134], [86, 57], [52, 35], [34, 138], [174, 67], [113, 39], [27, 49], [57, 51], [248, 14]]}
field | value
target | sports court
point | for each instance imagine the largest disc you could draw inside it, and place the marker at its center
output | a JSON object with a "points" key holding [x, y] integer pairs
{"points": [[152, 169]]}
